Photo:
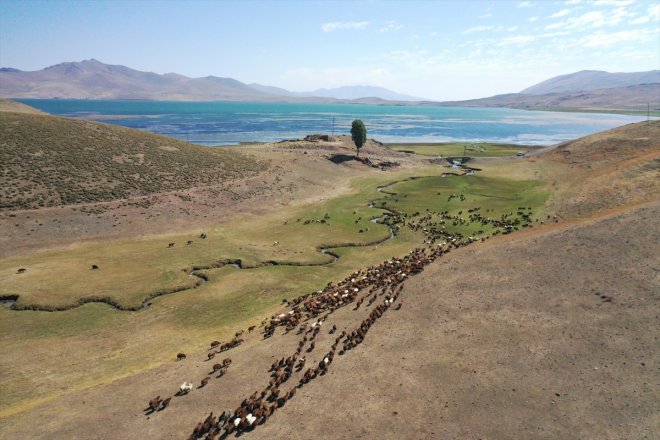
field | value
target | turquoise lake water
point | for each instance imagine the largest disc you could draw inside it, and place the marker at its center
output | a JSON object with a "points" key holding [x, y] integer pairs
{"points": [[226, 123]]}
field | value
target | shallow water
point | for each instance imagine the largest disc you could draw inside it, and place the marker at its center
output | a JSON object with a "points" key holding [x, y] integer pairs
{"points": [[227, 123]]}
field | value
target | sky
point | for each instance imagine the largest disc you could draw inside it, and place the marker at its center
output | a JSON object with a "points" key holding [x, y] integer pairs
{"points": [[440, 50]]}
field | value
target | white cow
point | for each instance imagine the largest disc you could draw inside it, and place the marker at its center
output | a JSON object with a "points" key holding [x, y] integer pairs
{"points": [[186, 387]]}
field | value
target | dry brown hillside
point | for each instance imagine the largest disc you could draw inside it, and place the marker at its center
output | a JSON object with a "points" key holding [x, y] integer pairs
{"points": [[7, 105], [615, 168]]}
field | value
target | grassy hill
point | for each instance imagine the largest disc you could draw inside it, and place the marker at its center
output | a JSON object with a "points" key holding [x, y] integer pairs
{"points": [[7, 105], [51, 161]]}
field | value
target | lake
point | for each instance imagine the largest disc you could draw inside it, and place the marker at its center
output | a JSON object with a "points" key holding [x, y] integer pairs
{"points": [[228, 123]]}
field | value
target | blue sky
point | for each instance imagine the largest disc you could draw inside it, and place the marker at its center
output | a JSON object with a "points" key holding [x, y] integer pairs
{"points": [[433, 49]]}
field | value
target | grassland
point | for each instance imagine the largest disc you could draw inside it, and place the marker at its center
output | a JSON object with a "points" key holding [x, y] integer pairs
{"points": [[232, 298], [51, 161], [461, 149], [130, 271]]}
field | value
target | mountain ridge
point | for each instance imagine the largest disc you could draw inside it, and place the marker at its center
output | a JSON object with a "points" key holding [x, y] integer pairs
{"points": [[92, 79], [587, 80], [633, 98]]}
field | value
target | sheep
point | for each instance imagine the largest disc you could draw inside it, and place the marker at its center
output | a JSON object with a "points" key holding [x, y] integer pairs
{"points": [[21, 270], [94, 267], [170, 245], [180, 356], [164, 404], [204, 382]]}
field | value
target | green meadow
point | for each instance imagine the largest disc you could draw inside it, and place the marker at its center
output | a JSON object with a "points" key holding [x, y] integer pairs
{"points": [[461, 149]]}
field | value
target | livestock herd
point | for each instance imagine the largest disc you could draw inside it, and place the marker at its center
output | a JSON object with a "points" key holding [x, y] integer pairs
{"points": [[382, 284]]}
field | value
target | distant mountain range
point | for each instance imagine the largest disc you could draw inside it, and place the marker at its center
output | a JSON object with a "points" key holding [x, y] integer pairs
{"points": [[616, 98], [584, 90], [587, 80], [92, 79]]}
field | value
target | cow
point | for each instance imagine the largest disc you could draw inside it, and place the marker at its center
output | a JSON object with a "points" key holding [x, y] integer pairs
{"points": [[185, 388]]}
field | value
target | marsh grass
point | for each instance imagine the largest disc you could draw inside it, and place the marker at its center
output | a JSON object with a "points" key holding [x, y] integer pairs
{"points": [[458, 149]]}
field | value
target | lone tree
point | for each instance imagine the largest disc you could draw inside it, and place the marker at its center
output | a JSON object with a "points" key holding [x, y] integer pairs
{"points": [[359, 134]]}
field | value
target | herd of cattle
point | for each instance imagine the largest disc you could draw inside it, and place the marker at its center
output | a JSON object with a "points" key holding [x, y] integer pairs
{"points": [[383, 284]]}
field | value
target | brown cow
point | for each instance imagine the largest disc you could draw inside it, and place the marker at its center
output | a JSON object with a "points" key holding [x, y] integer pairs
{"points": [[154, 403]]}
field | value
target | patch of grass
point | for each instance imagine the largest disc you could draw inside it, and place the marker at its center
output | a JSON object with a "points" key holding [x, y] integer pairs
{"points": [[459, 149]]}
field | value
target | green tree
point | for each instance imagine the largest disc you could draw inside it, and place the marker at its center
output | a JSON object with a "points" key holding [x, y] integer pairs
{"points": [[359, 134]]}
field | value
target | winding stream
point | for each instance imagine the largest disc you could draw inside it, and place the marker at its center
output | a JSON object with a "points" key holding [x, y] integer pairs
{"points": [[10, 301]]}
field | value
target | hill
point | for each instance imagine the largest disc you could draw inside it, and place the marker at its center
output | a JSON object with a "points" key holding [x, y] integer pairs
{"points": [[7, 105], [52, 161], [357, 92], [622, 98], [608, 170], [586, 80], [92, 79]]}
